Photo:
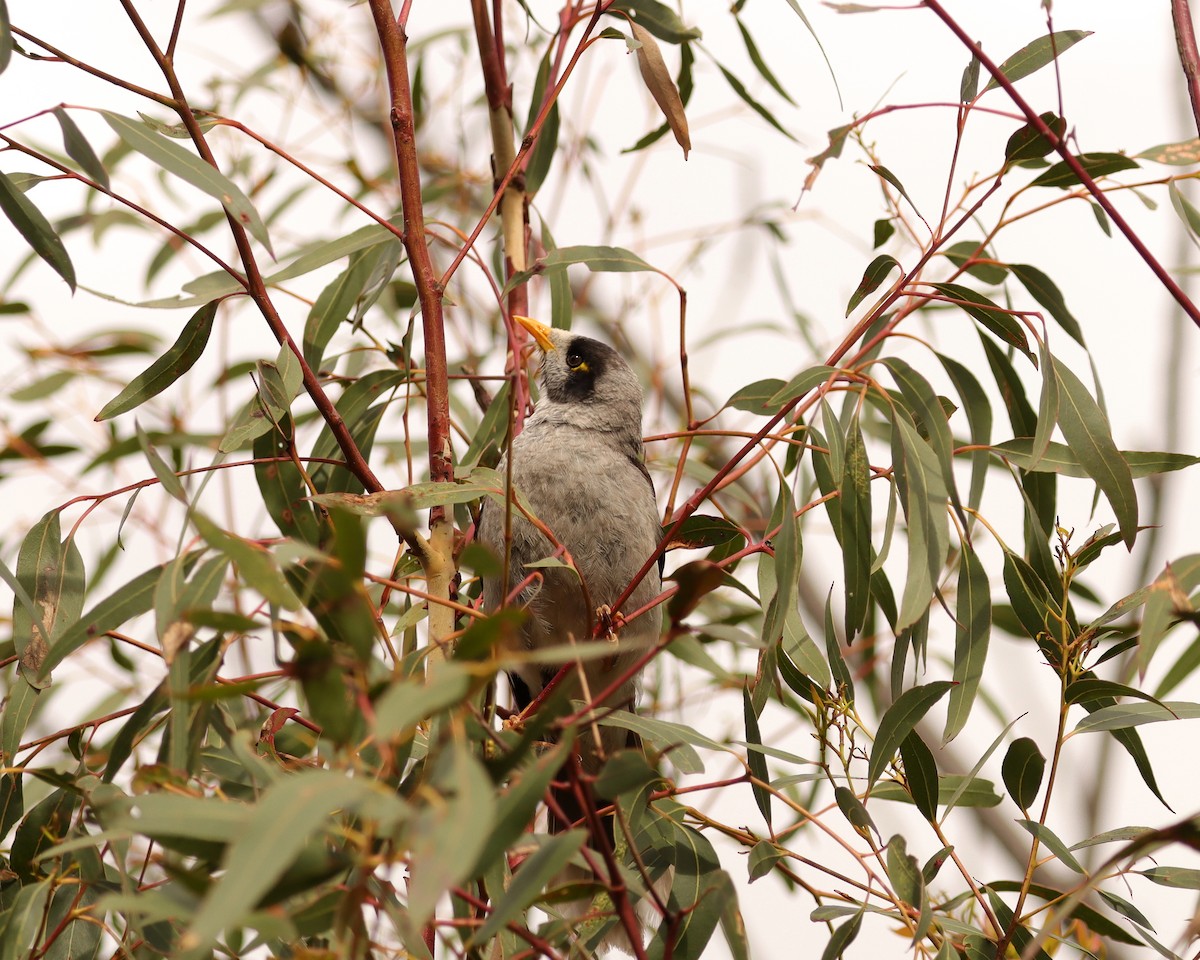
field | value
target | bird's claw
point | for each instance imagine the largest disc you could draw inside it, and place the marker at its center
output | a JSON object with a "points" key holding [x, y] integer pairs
{"points": [[611, 623]]}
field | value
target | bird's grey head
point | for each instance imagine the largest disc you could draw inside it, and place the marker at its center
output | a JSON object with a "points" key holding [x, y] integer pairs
{"points": [[586, 382]]}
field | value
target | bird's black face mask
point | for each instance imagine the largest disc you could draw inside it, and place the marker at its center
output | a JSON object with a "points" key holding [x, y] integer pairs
{"points": [[585, 361]]}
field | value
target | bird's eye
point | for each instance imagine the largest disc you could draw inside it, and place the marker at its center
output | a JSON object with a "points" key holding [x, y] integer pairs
{"points": [[575, 361]]}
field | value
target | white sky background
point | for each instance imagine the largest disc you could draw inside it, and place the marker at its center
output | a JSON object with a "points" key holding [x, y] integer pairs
{"points": [[1122, 91]]}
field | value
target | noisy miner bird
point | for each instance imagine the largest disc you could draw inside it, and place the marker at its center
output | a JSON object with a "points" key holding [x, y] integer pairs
{"points": [[579, 465]]}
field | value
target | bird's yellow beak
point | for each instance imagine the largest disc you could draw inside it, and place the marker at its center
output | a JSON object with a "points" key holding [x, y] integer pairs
{"points": [[539, 331]]}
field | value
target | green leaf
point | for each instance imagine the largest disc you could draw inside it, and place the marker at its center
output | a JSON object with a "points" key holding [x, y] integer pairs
{"points": [[1186, 211], [599, 259], [334, 303], [562, 297], [855, 813], [964, 253], [516, 805], [658, 19], [278, 383], [6, 40], [407, 702], [528, 882], [1022, 770], [891, 178], [972, 633], [759, 64], [842, 937], [541, 157], [190, 168], [24, 918], [744, 94], [920, 774], [48, 593], [1086, 430], [756, 397], [699, 531], [1028, 143], [256, 567], [78, 148], [126, 602], [275, 834], [674, 739], [798, 386], [1181, 878], [928, 410], [44, 387], [1044, 291], [953, 791], [837, 142], [1179, 579], [968, 86], [36, 229], [756, 761], [450, 831], [1125, 909], [994, 318], [876, 272], [1124, 715], [762, 859], [1059, 458], [898, 722], [173, 364], [1090, 689], [855, 492], [919, 479], [1032, 57], [1050, 840], [978, 409], [1095, 165]]}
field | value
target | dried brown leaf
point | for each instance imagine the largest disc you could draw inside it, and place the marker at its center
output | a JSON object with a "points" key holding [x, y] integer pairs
{"points": [[662, 87]]}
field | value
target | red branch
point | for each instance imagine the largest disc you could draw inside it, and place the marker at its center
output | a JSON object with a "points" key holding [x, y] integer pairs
{"points": [[1184, 301], [393, 41]]}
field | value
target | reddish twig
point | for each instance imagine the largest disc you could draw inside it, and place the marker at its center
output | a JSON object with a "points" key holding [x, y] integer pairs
{"points": [[1060, 146]]}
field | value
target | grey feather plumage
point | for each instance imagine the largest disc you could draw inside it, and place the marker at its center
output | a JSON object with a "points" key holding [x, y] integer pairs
{"points": [[579, 464]]}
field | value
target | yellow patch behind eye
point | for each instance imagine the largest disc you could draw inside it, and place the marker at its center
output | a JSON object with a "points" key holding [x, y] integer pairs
{"points": [[581, 366]]}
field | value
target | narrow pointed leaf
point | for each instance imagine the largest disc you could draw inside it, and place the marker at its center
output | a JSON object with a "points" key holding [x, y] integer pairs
{"points": [[190, 168], [994, 318], [898, 722], [1032, 57], [1095, 165], [920, 775], [1046, 293], [78, 148], [756, 761], [1086, 429], [855, 490], [36, 229], [972, 633], [876, 272], [179, 358], [1051, 841], [1124, 715]]}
